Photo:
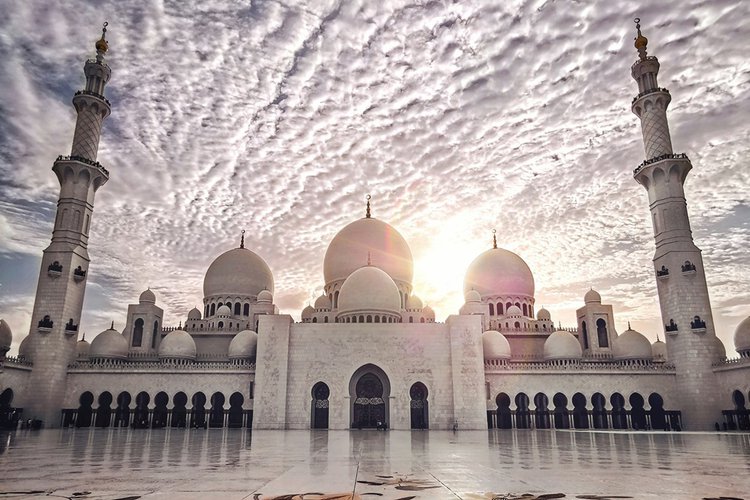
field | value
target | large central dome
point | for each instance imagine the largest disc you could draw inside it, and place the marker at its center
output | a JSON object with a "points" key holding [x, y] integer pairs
{"points": [[386, 248], [499, 272], [237, 272]]}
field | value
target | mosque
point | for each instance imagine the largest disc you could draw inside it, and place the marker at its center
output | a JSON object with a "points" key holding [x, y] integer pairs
{"points": [[369, 352]]}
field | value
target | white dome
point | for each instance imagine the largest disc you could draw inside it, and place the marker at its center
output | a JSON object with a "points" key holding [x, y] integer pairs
{"points": [[243, 345], [659, 351], [428, 313], [6, 336], [265, 297], [499, 272], [194, 313], [513, 311], [223, 310], [495, 345], [592, 297], [307, 312], [238, 272], [472, 296], [147, 297], [24, 349], [720, 349], [742, 336], [349, 250], [82, 349], [562, 345], [323, 302], [414, 302], [178, 344], [369, 288], [110, 344], [543, 315], [631, 345]]}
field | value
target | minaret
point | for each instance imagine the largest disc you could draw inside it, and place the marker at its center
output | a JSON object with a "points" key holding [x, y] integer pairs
{"points": [[678, 266], [65, 262]]}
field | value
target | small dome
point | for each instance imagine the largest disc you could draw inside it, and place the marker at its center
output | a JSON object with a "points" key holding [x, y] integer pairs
{"points": [[499, 272], [472, 296], [742, 336], [239, 272], [592, 297], [265, 297], [562, 345], [243, 345], [178, 344], [414, 302], [323, 302], [369, 288], [428, 313], [543, 315], [82, 349], [307, 312], [720, 349], [349, 249], [194, 313], [513, 311], [659, 351], [631, 345], [495, 345], [110, 344], [147, 297], [6, 336], [223, 310], [24, 350]]}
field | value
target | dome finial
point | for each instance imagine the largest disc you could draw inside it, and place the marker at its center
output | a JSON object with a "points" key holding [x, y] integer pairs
{"points": [[629, 326], [369, 259], [657, 338], [112, 326], [494, 238], [84, 336], [242, 239], [640, 41], [101, 45], [367, 212]]}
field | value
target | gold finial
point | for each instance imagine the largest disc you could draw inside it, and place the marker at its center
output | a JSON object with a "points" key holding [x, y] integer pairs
{"points": [[640, 41], [494, 238], [367, 212], [101, 44], [242, 239]]}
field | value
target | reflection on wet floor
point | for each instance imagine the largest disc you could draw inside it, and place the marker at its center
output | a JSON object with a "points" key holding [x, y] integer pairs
{"points": [[235, 463]]}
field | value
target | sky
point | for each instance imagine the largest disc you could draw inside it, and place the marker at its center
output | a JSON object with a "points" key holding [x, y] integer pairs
{"points": [[458, 117]]}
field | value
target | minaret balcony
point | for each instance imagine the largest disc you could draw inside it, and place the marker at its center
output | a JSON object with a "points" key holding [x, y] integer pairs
{"points": [[93, 94], [671, 328], [70, 328], [688, 268], [55, 269], [656, 159], [45, 325], [86, 161], [650, 91], [79, 274], [662, 274], [698, 325]]}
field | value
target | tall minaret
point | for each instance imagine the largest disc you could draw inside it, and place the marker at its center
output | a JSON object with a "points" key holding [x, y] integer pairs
{"points": [[62, 278], [678, 266]]}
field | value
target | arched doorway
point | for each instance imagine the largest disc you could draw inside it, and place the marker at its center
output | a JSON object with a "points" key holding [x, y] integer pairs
{"points": [[217, 410], [504, 415], [8, 415], [199, 410], [160, 414], [580, 413], [523, 415], [320, 406], [619, 414], [599, 402], [104, 411], [179, 413], [122, 413], [141, 414], [418, 405], [236, 400], [84, 410], [541, 402], [637, 412], [562, 419], [369, 390], [658, 415]]}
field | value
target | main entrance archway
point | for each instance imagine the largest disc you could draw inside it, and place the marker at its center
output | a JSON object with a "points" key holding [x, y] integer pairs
{"points": [[369, 390]]}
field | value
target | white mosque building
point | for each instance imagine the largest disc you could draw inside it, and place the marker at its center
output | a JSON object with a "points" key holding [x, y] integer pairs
{"points": [[369, 353]]}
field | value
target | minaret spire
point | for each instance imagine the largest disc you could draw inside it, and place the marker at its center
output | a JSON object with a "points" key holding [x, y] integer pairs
{"points": [[367, 211], [65, 262], [678, 265]]}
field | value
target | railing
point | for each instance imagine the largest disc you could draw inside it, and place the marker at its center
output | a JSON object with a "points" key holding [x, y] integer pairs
{"points": [[84, 160], [732, 362], [649, 91], [94, 94], [17, 360], [668, 156], [166, 366], [578, 365]]}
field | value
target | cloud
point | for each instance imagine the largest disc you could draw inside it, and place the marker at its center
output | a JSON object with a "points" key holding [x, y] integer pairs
{"points": [[279, 118]]}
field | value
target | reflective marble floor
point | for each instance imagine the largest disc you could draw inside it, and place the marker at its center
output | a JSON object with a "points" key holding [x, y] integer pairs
{"points": [[235, 464]]}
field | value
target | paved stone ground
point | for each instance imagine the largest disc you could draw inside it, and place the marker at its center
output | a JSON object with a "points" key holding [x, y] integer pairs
{"points": [[110, 464]]}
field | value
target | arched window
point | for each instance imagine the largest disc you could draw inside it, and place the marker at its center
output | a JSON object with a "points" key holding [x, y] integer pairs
{"points": [[336, 300], [525, 310], [377, 319], [315, 320], [246, 310], [354, 319], [138, 333], [585, 333], [221, 325], [213, 309], [411, 319], [492, 309], [421, 320], [220, 304], [205, 313], [601, 333], [229, 305], [237, 307], [507, 305], [518, 305], [499, 308], [369, 318], [517, 325], [361, 318], [155, 334], [325, 319]]}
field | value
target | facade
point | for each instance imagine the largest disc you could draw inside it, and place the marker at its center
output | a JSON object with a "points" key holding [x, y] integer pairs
{"points": [[369, 353]]}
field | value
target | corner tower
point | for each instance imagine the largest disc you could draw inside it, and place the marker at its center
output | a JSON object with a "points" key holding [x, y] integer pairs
{"points": [[678, 266], [64, 271]]}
